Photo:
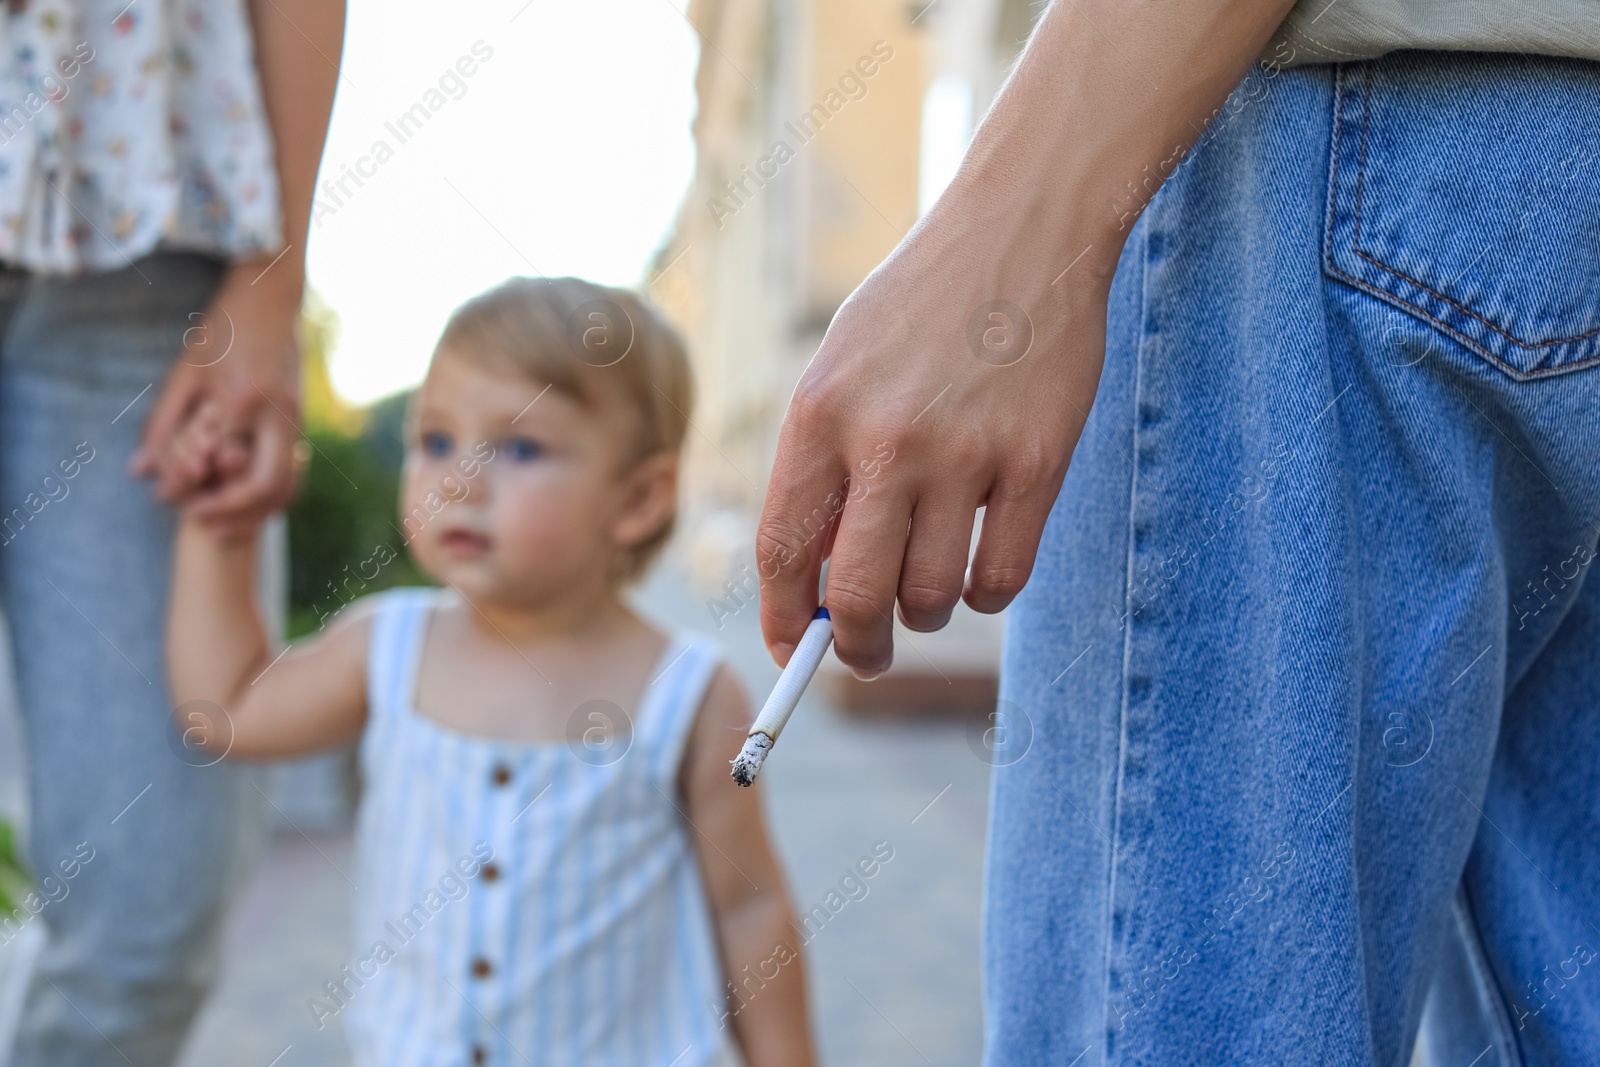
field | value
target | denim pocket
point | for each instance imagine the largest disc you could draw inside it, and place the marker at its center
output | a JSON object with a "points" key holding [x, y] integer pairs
{"points": [[1465, 190]]}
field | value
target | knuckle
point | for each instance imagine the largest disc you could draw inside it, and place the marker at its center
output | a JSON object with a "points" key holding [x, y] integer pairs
{"points": [[921, 599], [1030, 463], [776, 547], [813, 405], [1000, 580], [852, 603]]}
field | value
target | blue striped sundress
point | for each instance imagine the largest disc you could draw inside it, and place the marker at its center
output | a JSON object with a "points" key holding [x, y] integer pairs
{"points": [[527, 903]]}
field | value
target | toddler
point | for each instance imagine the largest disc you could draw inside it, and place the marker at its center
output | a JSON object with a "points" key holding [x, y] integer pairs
{"points": [[553, 866]]}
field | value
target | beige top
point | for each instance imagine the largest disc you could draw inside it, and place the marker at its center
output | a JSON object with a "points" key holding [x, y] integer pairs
{"points": [[1333, 31]]}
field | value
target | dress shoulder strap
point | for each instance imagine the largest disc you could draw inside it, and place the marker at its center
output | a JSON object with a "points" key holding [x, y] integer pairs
{"points": [[399, 621], [673, 698]]}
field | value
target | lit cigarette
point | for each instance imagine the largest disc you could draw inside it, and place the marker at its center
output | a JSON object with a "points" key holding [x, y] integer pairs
{"points": [[785, 695]]}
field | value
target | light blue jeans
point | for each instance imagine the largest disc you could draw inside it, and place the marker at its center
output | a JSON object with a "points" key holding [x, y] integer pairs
{"points": [[85, 556], [1307, 678]]}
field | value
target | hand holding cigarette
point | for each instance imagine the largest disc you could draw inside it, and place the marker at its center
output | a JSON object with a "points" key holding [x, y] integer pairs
{"points": [[785, 695]]}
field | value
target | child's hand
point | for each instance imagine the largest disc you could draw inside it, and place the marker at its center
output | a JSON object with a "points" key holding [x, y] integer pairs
{"points": [[188, 453], [203, 454], [254, 383]]}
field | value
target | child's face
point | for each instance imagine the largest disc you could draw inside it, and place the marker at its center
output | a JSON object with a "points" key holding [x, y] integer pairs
{"points": [[517, 493]]}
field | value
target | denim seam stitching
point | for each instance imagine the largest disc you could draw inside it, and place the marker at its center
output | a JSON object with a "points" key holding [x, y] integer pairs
{"points": [[1333, 165], [1456, 335], [1355, 245], [1127, 626], [1329, 263]]}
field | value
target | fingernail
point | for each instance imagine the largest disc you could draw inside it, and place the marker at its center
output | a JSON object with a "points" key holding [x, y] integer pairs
{"points": [[865, 676], [781, 653]]}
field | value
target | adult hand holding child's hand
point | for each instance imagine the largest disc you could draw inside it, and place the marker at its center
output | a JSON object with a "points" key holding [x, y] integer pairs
{"points": [[239, 370]]}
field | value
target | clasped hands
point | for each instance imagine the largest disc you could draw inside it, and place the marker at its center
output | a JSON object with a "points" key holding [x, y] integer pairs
{"points": [[221, 440]]}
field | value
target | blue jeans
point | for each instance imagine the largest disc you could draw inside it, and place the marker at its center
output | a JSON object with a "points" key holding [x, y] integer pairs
{"points": [[1306, 682], [151, 842]]}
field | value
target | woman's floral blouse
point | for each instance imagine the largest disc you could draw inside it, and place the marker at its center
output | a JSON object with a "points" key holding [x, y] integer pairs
{"points": [[124, 125]]}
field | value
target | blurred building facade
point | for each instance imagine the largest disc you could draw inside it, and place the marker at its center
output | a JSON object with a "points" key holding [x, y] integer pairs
{"points": [[824, 129]]}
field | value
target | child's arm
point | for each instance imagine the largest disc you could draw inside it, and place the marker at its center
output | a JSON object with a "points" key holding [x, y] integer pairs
{"points": [[311, 698], [750, 907]]}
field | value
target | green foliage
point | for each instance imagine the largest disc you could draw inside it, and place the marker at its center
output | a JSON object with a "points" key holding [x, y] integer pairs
{"points": [[342, 526], [15, 881]]}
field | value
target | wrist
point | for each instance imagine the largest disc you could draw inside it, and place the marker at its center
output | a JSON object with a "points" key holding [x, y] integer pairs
{"points": [[1046, 227], [1032, 210], [230, 547], [273, 284], [1030, 236], [261, 307], [997, 244]]}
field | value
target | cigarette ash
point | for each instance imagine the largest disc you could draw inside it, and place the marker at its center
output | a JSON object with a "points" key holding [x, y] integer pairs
{"points": [[748, 763]]}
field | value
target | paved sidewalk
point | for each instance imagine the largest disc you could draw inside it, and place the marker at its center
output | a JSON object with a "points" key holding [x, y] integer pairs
{"points": [[894, 973]]}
